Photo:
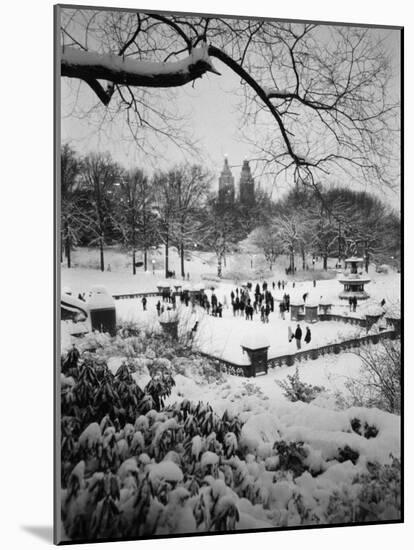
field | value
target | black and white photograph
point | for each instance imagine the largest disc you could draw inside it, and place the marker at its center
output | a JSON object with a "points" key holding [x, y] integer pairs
{"points": [[229, 265]]}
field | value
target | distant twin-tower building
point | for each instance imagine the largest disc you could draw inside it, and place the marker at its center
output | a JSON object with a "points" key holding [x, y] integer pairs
{"points": [[227, 192]]}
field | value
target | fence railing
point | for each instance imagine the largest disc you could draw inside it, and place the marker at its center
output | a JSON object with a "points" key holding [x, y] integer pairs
{"points": [[313, 353], [131, 295]]}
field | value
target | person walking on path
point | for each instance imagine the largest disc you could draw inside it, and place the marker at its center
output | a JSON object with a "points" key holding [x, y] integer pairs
{"points": [[158, 306], [242, 306], [290, 334], [267, 311], [298, 337], [144, 303], [350, 301], [308, 335]]}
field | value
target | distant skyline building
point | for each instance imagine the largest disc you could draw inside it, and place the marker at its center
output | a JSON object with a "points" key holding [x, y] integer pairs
{"points": [[246, 185], [226, 190]]}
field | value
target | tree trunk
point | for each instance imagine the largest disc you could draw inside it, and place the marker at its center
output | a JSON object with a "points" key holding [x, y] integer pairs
{"points": [[292, 261], [366, 257], [101, 253], [145, 259], [182, 259], [68, 252], [339, 243], [219, 266], [303, 258], [166, 256], [325, 262], [134, 269]]}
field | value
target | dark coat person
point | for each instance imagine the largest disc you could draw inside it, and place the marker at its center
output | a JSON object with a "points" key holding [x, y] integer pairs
{"points": [[308, 335], [298, 336]]}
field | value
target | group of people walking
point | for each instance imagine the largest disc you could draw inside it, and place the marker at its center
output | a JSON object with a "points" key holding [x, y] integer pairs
{"points": [[297, 336], [244, 304]]}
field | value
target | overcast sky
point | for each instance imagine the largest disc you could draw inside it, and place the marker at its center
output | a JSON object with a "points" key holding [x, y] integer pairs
{"points": [[212, 108]]}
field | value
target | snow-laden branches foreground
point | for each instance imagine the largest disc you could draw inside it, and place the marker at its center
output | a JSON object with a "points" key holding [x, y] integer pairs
{"points": [[88, 66], [314, 100]]}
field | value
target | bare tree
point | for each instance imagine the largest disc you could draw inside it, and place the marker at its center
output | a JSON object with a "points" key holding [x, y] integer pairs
{"points": [[72, 216], [379, 380], [166, 209], [99, 175], [190, 185], [219, 231], [267, 239], [325, 94], [291, 232], [133, 213]]}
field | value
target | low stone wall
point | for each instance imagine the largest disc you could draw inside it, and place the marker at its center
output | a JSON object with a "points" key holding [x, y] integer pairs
{"points": [[132, 295], [343, 319], [313, 353], [336, 348]]}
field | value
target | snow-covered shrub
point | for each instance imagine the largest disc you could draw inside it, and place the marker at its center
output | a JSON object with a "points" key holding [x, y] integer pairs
{"points": [[135, 465], [373, 496], [291, 456], [233, 371], [379, 381], [367, 430], [295, 389]]}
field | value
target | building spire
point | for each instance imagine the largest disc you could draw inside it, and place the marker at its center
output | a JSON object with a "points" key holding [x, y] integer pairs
{"points": [[226, 184]]}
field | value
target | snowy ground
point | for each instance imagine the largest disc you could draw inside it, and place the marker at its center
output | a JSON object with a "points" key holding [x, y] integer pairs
{"points": [[262, 393], [266, 413], [86, 274], [221, 337]]}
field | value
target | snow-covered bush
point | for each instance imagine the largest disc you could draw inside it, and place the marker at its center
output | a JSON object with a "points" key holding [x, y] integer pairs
{"points": [[136, 465], [373, 496], [295, 389], [379, 381]]}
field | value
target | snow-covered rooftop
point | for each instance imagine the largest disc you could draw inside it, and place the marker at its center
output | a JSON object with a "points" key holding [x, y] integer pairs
{"points": [[168, 316], [100, 298], [254, 340], [354, 259]]}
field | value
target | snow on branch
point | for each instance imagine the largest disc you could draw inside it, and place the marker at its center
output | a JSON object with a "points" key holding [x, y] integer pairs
{"points": [[87, 65], [277, 93]]}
